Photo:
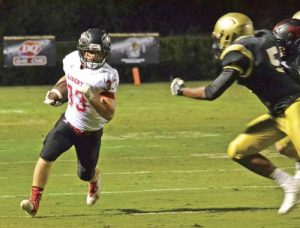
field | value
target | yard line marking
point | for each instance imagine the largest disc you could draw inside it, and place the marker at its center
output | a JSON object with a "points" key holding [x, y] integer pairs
{"points": [[22, 162], [147, 135], [8, 111], [151, 190], [155, 172], [150, 157], [207, 155]]}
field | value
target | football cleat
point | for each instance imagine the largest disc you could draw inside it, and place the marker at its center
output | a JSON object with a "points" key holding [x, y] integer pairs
{"points": [[30, 207], [94, 192], [291, 196]]}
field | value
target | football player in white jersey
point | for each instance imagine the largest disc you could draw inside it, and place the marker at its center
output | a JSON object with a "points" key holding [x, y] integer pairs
{"points": [[91, 85]]}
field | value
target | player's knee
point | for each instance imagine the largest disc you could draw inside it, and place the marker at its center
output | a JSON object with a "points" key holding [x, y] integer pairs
{"points": [[280, 148], [234, 151], [85, 174], [287, 150]]}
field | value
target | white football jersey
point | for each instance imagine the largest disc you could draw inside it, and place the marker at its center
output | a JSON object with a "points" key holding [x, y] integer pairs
{"points": [[79, 112]]}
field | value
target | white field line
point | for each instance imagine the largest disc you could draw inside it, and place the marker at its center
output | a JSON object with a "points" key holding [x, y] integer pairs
{"points": [[150, 190], [142, 172], [9, 111], [206, 155], [147, 171]]}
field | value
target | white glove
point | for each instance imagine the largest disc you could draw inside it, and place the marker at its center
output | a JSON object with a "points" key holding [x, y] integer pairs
{"points": [[52, 102], [177, 86], [87, 91]]}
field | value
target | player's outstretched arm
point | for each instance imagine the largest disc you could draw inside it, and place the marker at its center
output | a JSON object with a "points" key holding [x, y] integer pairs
{"points": [[178, 88], [215, 89]]}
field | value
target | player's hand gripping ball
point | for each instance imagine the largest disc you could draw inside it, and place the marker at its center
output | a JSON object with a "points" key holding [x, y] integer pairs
{"points": [[177, 86], [57, 95]]}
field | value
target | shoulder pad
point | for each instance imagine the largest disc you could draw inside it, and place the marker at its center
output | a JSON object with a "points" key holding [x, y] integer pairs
{"points": [[263, 32], [245, 52]]}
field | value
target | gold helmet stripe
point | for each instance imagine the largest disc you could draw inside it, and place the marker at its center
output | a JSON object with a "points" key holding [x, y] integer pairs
{"points": [[242, 49], [235, 67]]}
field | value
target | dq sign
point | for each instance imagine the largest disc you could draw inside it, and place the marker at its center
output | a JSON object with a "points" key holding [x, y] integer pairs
{"points": [[29, 51]]}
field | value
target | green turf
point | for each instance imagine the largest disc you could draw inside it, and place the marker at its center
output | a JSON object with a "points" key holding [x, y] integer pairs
{"points": [[163, 159]]}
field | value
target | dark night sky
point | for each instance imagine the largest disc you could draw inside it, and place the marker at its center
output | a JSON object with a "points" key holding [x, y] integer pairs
{"points": [[66, 19]]}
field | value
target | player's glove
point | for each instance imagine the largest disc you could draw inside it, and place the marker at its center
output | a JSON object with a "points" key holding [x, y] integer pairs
{"points": [[50, 101], [177, 86], [87, 91]]}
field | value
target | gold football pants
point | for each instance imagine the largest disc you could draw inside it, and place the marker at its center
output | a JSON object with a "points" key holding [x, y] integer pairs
{"points": [[265, 130]]}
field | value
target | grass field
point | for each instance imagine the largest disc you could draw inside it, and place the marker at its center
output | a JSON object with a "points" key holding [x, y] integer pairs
{"points": [[163, 159]]}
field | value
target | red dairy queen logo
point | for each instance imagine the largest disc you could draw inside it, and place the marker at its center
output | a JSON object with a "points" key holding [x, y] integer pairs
{"points": [[30, 48], [28, 54]]}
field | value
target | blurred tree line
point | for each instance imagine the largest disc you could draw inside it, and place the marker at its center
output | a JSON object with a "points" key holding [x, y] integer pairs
{"points": [[67, 19], [173, 19]]}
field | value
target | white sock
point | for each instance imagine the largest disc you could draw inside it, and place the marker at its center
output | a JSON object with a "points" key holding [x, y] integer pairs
{"points": [[280, 177], [297, 166], [297, 170]]}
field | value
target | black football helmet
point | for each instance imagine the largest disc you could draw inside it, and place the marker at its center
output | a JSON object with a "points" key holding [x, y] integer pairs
{"points": [[287, 32], [97, 42]]}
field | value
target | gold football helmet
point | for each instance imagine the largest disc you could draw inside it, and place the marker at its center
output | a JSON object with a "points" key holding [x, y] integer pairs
{"points": [[297, 15], [228, 28]]}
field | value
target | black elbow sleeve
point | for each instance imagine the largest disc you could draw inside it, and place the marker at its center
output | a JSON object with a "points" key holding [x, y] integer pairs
{"points": [[220, 84]]}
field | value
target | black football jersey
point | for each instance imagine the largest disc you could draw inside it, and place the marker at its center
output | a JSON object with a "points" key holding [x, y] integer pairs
{"points": [[256, 58]]}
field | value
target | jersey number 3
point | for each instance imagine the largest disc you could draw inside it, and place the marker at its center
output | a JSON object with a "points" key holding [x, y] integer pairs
{"points": [[81, 106]]}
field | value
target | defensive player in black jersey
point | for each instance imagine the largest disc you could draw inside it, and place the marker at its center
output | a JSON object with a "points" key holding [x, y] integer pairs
{"points": [[252, 60], [287, 32]]}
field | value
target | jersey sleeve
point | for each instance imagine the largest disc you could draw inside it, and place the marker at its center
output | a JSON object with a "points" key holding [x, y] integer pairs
{"points": [[239, 58], [70, 60], [65, 64], [109, 81], [220, 84]]}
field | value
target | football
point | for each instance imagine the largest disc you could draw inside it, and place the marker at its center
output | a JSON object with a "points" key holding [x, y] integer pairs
{"points": [[59, 92]]}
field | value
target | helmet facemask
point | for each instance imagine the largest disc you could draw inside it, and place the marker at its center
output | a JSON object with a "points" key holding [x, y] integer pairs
{"points": [[91, 58], [220, 42], [93, 48]]}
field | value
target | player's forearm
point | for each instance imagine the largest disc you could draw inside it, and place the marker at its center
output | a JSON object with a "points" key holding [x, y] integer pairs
{"points": [[103, 109], [63, 78]]}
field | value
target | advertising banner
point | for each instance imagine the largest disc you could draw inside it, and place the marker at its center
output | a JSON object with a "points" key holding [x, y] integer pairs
{"points": [[134, 48], [28, 51]]}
